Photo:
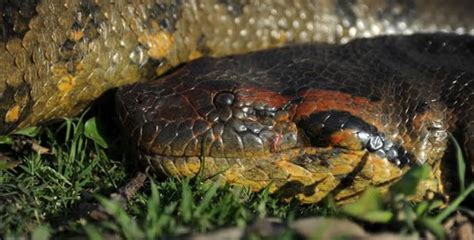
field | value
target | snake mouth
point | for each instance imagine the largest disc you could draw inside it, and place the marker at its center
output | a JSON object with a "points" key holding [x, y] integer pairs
{"points": [[316, 171]]}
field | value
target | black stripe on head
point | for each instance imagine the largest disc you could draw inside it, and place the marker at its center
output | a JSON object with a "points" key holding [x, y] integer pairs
{"points": [[320, 126]]}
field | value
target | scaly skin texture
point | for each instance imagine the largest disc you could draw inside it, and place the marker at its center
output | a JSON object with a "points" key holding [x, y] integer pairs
{"points": [[56, 56], [310, 120]]}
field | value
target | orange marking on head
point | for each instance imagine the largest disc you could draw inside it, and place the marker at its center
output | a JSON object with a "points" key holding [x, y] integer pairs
{"points": [[361, 100], [316, 100], [282, 117], [256, 95], [347, 139], [339, 137]]}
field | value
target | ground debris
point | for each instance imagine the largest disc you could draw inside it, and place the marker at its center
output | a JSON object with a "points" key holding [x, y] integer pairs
{"points": [[459, 226], [305, 228]]}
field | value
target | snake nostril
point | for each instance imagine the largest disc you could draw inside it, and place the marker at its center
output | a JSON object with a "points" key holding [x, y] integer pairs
{"points": [[375, 143]]}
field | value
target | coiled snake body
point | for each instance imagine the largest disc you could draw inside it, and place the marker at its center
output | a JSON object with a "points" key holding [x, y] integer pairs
{"points": [[312, 119], [309, 120]]}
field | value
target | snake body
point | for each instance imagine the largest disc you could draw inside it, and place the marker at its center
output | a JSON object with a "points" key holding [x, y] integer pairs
{"points": [[309, 119], [57, 56]]}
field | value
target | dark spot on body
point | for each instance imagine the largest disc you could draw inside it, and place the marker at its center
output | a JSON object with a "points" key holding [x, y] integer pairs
{"points": [[234, 8], [165, 14], [84, 29], [15, 16], [345, 12], [88, 20], [201, 45], [67, 47], [88, 8]]}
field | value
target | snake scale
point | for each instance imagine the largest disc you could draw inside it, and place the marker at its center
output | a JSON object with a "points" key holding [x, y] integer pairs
{"points": [[396, 97]]}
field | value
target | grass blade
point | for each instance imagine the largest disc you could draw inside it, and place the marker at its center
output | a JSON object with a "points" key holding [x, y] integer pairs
{"points": [[186, 201], [455, 204], [92, 130], [461, 164], [434, 227], [369, 207]]}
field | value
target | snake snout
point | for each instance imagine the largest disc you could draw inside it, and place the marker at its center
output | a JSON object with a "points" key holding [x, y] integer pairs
{"points": [[200, 121]]}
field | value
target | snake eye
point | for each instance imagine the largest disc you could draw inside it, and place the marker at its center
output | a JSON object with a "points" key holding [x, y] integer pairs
{"points": [[223, 99]]}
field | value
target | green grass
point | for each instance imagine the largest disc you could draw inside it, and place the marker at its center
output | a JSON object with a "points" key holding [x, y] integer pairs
{"points": [[43, 192], [41, 186]]}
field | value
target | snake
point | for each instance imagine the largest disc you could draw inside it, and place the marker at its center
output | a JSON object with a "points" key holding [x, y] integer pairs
{"points": [[308, 120], [374, 106]]}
